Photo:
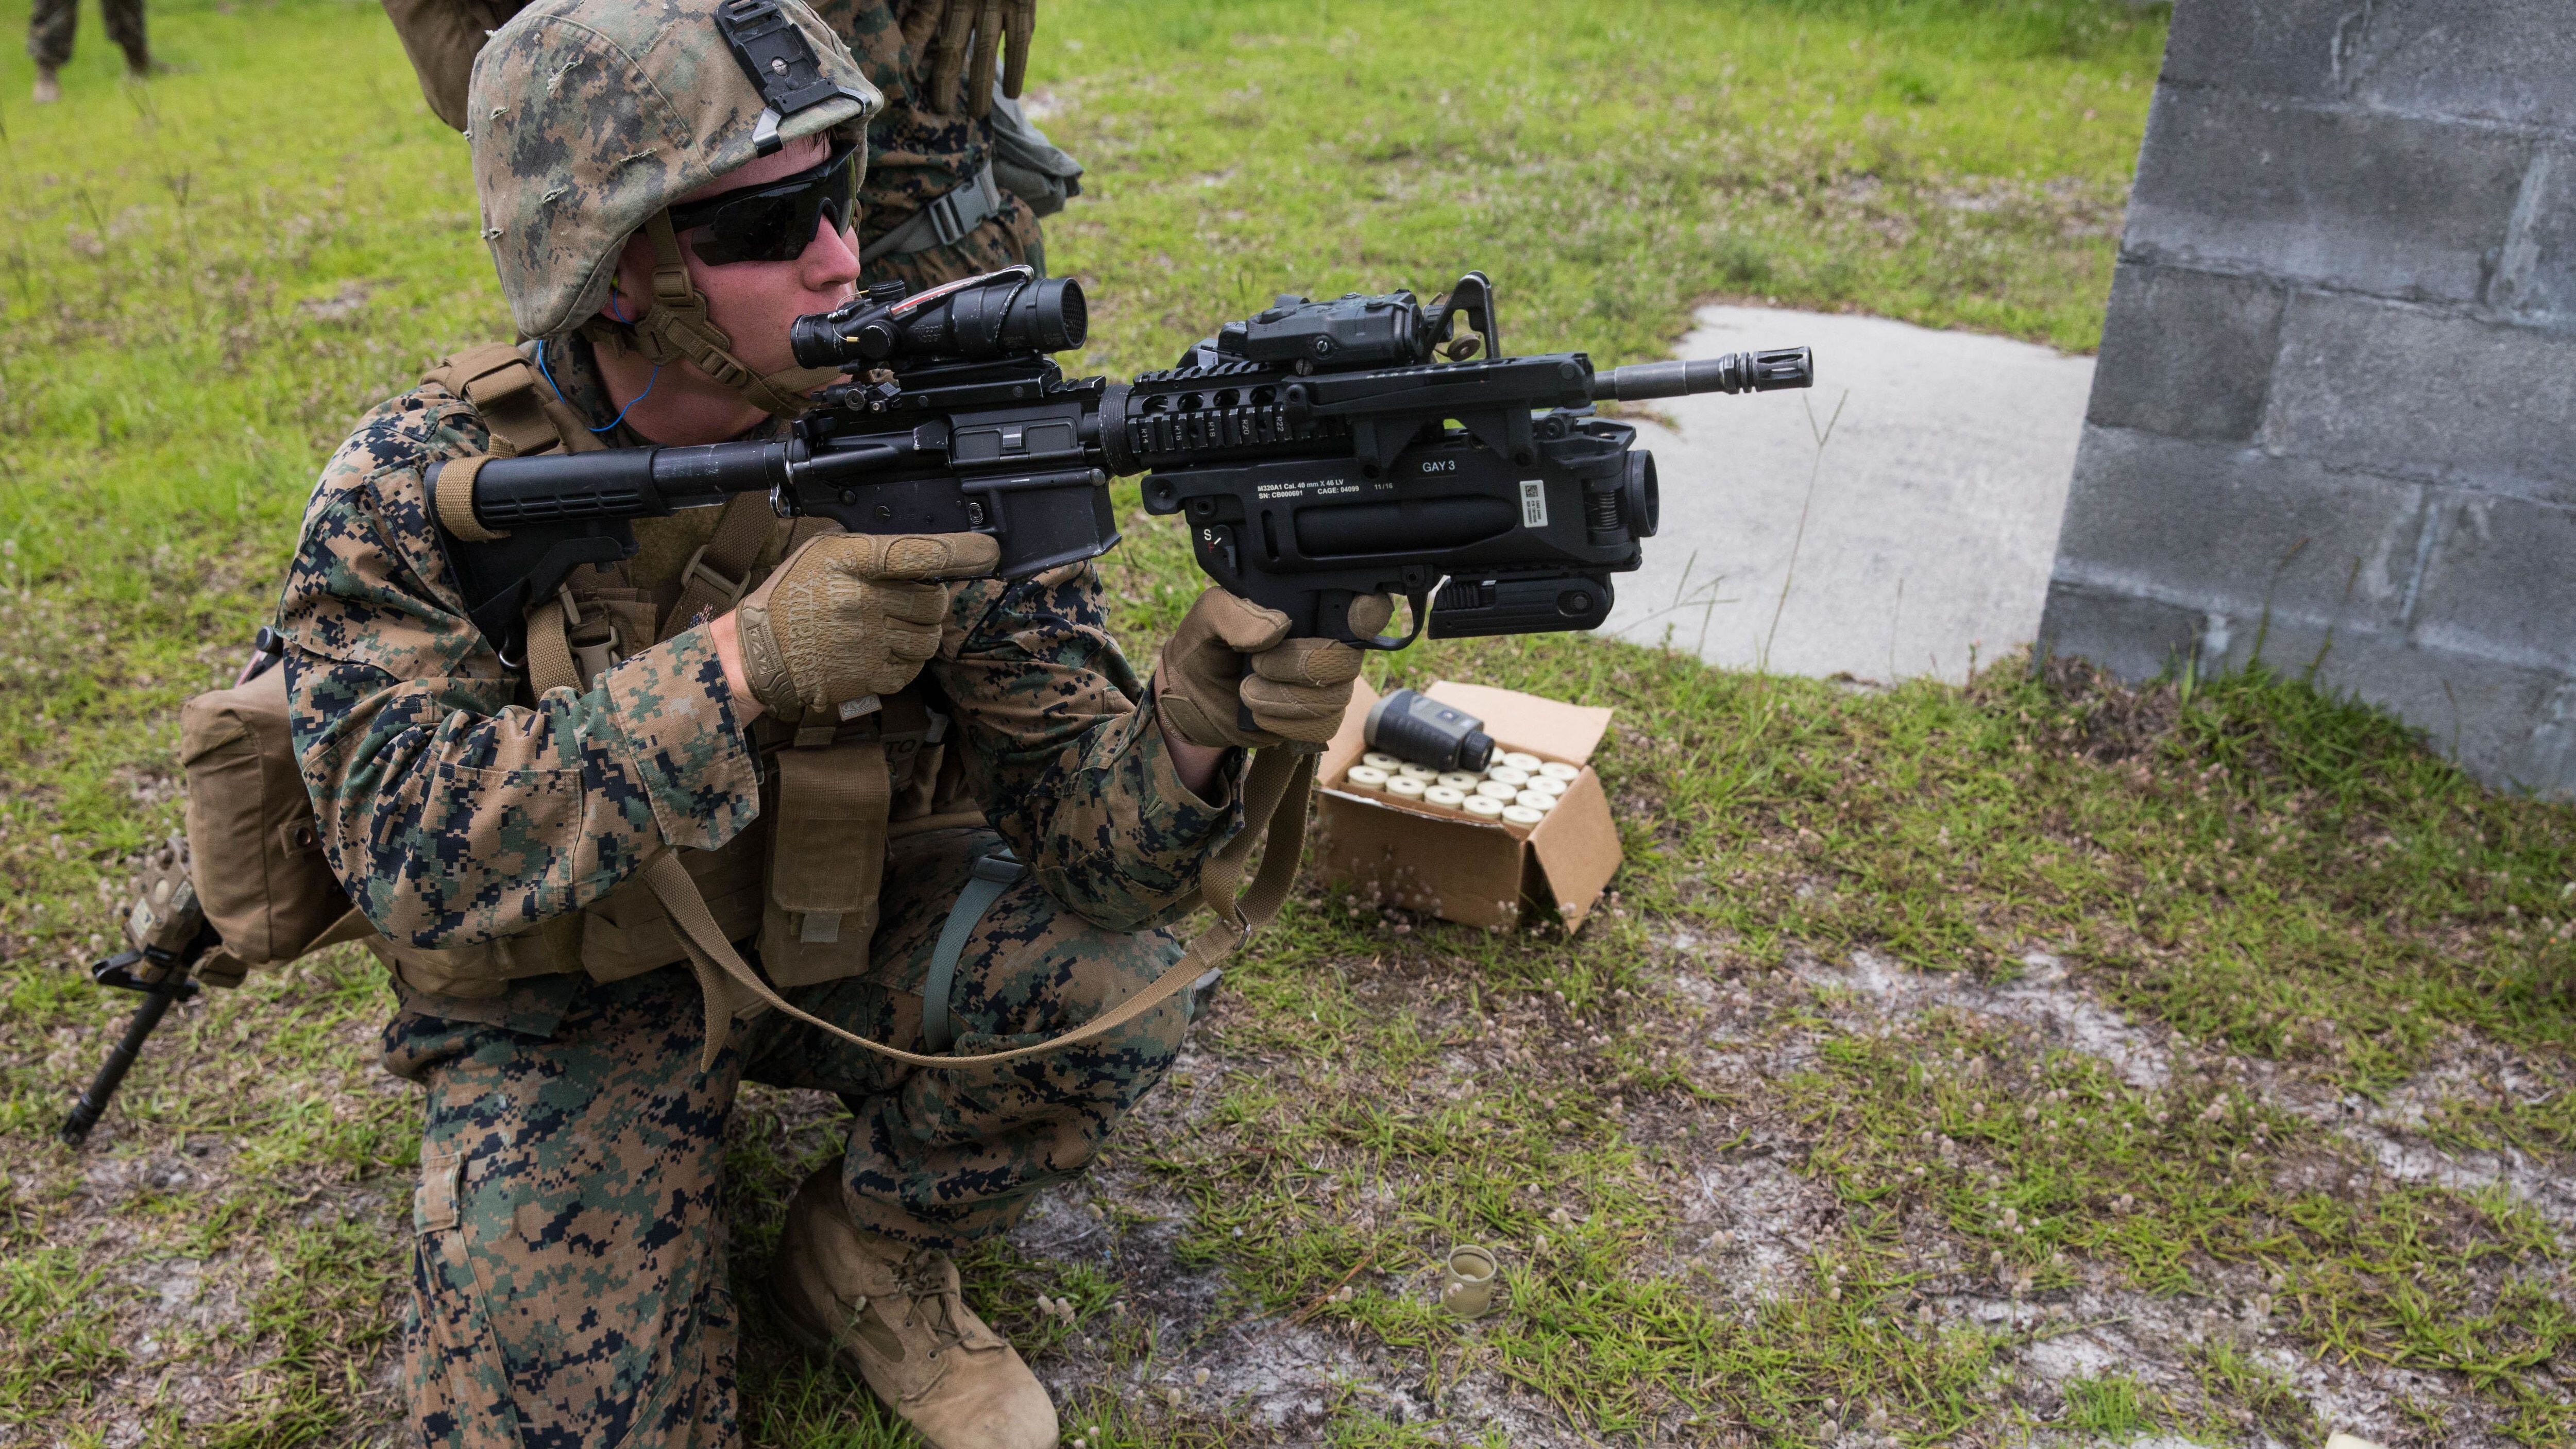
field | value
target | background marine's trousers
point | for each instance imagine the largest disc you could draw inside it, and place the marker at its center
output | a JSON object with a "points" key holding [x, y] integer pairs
{"points": [[51, 24], [569, 1274]]}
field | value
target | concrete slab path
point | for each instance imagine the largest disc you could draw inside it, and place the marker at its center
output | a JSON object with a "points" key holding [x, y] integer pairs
{"points": [[1936, 498]]}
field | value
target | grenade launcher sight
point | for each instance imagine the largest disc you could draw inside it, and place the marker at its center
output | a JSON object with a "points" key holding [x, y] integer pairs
{"points": [[1319, 451]]}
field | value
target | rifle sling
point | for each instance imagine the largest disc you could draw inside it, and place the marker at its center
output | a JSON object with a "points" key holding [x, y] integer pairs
{"points": [[1278, 777], [715, 578], [454, 500], [1276, 793]]}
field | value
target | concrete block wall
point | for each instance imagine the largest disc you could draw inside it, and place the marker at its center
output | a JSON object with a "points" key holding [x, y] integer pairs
{"points": [[2336, 403]]}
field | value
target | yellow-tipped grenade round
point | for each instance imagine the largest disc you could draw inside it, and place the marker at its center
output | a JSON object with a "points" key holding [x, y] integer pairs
{"points": [[1467, 1285]]}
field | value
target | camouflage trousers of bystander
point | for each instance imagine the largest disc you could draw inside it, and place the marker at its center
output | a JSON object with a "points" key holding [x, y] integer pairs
{"points": [[569, 1277], [52, 23]]}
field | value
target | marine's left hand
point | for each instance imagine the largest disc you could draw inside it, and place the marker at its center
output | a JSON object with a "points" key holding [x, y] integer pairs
{"points": [[1292, 689]]}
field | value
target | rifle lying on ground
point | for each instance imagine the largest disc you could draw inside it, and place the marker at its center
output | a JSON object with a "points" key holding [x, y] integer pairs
{"points": [[1320, 451]]}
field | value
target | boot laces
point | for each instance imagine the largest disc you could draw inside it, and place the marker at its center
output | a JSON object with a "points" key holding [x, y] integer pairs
{"points": [[933, 1298]]}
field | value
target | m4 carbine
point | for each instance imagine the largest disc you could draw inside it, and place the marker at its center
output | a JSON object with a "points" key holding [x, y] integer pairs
{"points": [[1319, 451]]}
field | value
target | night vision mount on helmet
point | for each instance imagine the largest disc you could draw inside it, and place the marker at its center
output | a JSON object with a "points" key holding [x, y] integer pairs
{"points": [[781, 62]]}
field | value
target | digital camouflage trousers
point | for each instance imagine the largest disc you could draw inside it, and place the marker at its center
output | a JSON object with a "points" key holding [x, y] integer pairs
{"points": [[51, 25], [569, 1277]]}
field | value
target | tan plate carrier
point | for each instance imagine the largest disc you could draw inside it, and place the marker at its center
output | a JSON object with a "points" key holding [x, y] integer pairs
{"points": [[282, 902]]}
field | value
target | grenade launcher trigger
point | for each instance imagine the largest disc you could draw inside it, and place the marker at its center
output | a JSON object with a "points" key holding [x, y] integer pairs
{"points": [[1318, 452]]}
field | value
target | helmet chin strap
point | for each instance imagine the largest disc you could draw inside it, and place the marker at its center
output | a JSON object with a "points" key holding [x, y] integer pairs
{"points": [[677, 329]]}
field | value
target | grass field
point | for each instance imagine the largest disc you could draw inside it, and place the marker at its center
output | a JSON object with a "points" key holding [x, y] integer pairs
{"points": [[2038, 1060]]}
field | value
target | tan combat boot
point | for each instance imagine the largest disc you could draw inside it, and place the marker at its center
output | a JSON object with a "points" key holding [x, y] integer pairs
{"points": [[893, 1314], [48, 89]]}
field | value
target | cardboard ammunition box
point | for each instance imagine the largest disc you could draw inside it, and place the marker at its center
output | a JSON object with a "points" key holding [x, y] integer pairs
{"points": [[1459, 867]]}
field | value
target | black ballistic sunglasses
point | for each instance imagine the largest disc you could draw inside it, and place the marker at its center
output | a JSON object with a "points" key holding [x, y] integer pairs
{"points": [[772, 223]]}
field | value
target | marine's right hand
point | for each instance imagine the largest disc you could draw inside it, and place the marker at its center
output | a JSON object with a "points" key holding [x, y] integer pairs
{"points": [[850, 615]]}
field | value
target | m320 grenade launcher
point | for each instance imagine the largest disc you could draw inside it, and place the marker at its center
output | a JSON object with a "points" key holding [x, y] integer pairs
{"points": [[1319, 451]]}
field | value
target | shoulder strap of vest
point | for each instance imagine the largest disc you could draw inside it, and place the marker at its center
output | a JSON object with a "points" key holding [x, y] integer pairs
{"points": [[720, 573], [550, 663], [525, 415]]}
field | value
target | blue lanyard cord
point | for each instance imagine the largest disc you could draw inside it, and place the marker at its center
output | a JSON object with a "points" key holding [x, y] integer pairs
{"points": [[612, 423]]}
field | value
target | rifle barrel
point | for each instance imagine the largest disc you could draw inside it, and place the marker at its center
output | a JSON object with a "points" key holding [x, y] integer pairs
{"points": [[1766, 371]]}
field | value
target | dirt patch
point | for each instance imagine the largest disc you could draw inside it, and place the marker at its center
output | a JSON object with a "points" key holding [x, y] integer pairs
{"points": [[2165, 1342], [340, 306], [2393, 1129], [2111, 720], [2051, 1002], [1268, 1378], [2045, 1000], [1742, 1223]]}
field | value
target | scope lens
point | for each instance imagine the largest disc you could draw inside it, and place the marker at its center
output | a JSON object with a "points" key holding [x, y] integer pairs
{"points": [[1640, 503], [1072, 313]]}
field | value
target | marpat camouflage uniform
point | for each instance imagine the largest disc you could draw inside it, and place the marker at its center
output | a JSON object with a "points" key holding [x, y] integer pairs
{"points": [[569, 1273], [569, 1276]]}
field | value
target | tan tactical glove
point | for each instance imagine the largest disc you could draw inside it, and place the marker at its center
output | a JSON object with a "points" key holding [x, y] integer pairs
{"points": [[961, 38], [165, 916], [1296, 689], [851, 615]]}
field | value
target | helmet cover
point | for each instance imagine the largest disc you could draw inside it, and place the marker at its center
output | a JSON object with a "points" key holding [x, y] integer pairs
{"points": [[587, 117]]}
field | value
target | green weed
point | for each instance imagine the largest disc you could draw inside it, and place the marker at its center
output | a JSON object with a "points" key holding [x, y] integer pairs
{"points": [[2113, 1406]]}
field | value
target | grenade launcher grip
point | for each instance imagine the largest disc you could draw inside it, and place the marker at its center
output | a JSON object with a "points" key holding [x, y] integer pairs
{"points": [[1317, 452]]}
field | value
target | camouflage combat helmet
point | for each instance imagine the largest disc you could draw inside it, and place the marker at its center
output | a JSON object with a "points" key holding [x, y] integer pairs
{"points": [[590, 117]]}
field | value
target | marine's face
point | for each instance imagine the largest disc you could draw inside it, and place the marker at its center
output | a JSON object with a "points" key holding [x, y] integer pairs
{"points": [[755, 301]]}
